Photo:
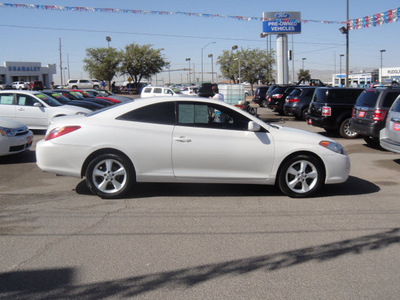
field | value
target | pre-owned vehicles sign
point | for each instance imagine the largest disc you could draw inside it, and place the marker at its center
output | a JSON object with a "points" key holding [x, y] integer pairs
{"points": [[282, 22]]}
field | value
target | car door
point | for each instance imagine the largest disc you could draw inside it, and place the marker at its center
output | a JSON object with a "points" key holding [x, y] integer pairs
{"points": [[393, 122], [26, 111], [203, 148], [7, 106]]}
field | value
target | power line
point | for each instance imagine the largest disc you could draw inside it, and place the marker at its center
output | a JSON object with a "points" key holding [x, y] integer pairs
{"points": [[152, 34]]}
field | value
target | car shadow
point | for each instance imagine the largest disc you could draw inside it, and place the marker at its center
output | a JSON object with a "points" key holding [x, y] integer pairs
{"points": [[353, 186], [19, 158]]}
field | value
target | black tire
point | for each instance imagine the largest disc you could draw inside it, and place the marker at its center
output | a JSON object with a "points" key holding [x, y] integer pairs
{"points": [[74, 87], [264, 103], [373, 142], [301, 176], [110, 176], [345, 130], [303, 115]]}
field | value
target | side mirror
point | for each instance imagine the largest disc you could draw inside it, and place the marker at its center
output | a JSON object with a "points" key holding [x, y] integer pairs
{"points": [[37, 104], [254, 127]]}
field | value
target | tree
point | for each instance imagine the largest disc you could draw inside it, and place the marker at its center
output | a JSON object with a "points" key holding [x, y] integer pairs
{"points": [[141, 62], [304, 75], [255, 65], [102, 63]]}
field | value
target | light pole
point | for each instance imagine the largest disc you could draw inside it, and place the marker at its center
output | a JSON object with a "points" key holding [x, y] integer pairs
{"points": [[108, 39], [212, 66], [188, 59], [302, 60], [340, 71], [345, 30], [380, 73], [235, 47], [202, 60]]}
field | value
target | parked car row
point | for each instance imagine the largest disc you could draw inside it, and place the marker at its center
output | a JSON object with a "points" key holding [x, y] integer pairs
{"points": [[350, 112], [36, 85]]}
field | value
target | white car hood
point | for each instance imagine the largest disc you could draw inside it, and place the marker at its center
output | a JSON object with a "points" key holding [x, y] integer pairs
{"points": [[9, 123], [295, 135]]}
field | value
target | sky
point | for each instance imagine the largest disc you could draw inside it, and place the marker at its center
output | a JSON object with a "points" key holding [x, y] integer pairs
{"points": [[33, 35]]}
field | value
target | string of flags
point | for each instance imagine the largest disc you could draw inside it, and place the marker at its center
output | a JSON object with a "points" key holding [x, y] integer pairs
{"points": [[392, 15]]}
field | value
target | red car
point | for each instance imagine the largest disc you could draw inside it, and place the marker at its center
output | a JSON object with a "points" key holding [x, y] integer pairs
{"points": [[36, 85], [88, 94]]}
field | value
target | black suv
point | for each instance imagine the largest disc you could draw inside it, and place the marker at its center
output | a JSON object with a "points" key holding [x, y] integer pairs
{"points": [[205, 90], [261, 94], [298, 101], [278, 96], [370, 111], [331, 108]]}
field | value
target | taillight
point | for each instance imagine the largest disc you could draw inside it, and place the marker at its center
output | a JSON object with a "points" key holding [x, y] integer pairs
{"points": [[353, 112], [57, 132], [326, 111], [277, 96], [379, 115], [295, 99]]}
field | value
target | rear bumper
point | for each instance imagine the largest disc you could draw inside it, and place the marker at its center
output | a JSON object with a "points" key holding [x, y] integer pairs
{"points": [[366, 129], [323, 122]]}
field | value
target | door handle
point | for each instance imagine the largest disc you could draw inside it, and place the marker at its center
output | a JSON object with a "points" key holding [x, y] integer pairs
{"points": [[182, 139]]}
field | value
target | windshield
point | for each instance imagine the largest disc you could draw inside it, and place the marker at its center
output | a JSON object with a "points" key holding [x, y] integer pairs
{"points": [[48, 100], [77, 95]]}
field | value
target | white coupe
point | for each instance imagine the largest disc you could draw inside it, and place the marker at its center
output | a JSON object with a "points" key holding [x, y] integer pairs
{"points": [[180, 139]]}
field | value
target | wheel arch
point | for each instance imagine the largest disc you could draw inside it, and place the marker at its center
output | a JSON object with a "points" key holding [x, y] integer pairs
{"points": [[296, 154], [105, 151]]}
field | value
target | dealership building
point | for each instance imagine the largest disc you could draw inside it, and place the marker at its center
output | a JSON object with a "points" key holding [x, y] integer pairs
{"points": [[27, 71], [388, 75]]}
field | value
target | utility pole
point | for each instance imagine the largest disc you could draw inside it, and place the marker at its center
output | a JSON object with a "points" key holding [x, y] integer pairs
{"points": [[61, 70]]}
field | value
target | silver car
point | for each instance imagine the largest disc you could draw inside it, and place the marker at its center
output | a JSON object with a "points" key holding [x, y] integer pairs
{"points": [[14, 137], [390, 136]]}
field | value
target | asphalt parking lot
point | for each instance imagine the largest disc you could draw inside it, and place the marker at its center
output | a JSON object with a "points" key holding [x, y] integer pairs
{"points": [[170, 241]]}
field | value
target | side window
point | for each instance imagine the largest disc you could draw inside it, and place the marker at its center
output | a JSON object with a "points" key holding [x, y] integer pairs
{"points": [[209, 115], [84, 81], [157, 91], [168, 92], [159, 113], [396, 106], [6, 99], [389, 99], [25, 100], [147, 90]]}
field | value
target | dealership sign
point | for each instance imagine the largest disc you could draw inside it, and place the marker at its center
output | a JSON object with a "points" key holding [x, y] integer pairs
{"points": [[282, 22]]}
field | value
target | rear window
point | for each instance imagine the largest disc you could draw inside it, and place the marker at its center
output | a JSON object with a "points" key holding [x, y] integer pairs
{"points": [[368, 98], [295, 92], [320, 95]]}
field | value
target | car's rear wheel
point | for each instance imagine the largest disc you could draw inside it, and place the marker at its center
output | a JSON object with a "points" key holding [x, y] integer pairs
{"points": [[301, 176], [345, 130], [110, 176]]}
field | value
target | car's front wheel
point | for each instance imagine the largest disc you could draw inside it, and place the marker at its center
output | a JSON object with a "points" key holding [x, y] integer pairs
{"points": [[301, 176], [110, 176]]}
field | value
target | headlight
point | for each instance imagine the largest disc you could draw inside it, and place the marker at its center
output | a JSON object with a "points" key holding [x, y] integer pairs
{"points": [[335, 147], [7, 131], [81, 113]]}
